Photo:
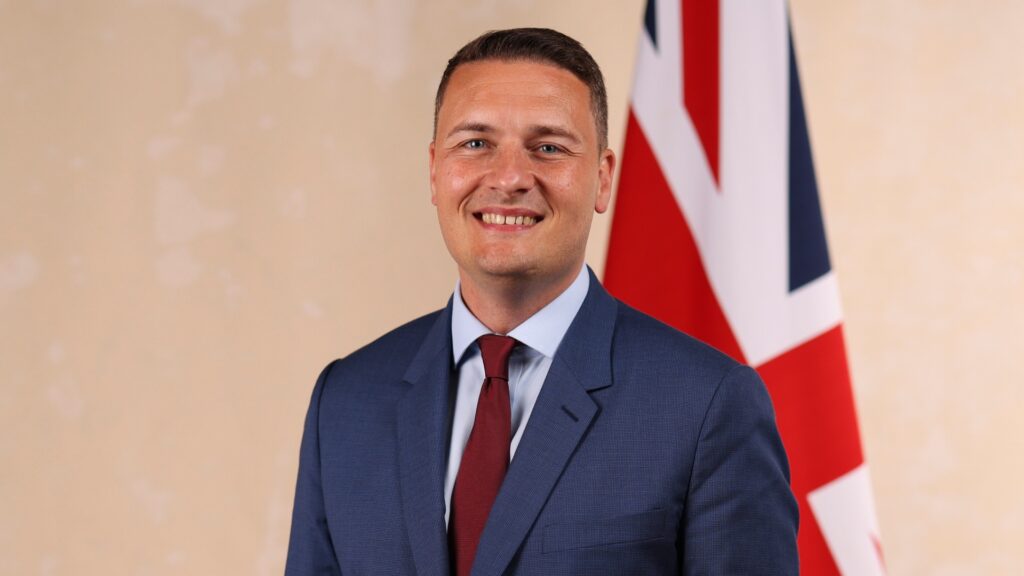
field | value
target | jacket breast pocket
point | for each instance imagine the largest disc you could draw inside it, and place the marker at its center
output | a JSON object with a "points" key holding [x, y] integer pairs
{"points": [[653, 525]]}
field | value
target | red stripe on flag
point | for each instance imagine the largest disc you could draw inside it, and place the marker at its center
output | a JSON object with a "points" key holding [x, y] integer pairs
{"points": [[653, 263], [813, 398], [700, 73]]}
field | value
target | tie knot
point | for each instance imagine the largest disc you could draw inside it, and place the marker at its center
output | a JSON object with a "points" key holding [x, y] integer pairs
{"points": [[495, 351]]}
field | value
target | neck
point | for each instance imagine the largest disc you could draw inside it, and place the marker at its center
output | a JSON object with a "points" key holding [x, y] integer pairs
{"points": [[503, 303]]}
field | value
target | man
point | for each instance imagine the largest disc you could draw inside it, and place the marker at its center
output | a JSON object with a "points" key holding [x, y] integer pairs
{"points": [[535, 425]]}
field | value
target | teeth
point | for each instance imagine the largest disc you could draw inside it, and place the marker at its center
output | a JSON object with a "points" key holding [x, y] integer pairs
{"points": [[508, 220]]}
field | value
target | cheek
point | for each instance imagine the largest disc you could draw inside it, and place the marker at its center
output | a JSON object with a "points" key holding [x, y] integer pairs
{"points": [[453, 183], [577, 193]]}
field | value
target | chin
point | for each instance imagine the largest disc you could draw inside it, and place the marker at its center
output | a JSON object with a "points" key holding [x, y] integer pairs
{"points": [[507, 270], [506, 267]]}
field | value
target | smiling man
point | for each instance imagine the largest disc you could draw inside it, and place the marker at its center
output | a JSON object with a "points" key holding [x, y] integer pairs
{"points": [[535, 425], [517, 169]]}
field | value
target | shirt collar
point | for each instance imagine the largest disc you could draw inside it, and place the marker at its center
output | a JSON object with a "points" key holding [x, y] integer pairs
{"points": [[542, 332]]}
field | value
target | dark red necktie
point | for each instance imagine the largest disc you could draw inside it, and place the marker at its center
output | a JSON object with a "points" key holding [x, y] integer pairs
{"points": [[485, 458]]}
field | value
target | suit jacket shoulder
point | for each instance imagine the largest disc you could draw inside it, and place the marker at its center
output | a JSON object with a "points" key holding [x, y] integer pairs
{"points": [[665, 371], [645, 337], [387, 357]]}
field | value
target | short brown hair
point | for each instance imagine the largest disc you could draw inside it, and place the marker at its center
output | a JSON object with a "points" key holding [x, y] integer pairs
{"points": [[539, 45]]}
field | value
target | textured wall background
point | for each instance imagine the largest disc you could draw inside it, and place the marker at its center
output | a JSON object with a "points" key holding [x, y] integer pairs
{"points": [[202, 202]]}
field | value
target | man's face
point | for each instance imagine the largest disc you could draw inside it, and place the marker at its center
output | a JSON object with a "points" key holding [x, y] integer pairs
{"points": [[515, 171]]}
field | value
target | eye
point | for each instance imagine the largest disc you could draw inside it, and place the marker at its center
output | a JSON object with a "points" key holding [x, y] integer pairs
{"points": [[548, 148], [475, 144]]}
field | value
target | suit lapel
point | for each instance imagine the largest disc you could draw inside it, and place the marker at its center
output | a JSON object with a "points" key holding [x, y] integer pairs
{"points": [[560, 418], [422, 447]]}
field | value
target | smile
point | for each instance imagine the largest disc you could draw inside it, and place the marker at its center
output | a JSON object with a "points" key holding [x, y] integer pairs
{"points": [[507, 219]]}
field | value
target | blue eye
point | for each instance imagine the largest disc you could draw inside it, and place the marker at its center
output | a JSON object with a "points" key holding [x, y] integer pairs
{"points": [[548, 148], [475, 144]]}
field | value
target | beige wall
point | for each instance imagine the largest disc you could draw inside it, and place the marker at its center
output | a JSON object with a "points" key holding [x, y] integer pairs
{"points": [[202, 202]]}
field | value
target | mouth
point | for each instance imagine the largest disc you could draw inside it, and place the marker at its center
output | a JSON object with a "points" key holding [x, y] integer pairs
{"points": [[508, 220]]}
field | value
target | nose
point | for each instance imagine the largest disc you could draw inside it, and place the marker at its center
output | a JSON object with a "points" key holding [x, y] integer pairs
{"points": [[511, 171]]}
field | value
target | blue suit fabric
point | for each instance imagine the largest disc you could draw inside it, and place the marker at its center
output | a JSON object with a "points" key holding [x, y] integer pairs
{"points": [[647, 453]]}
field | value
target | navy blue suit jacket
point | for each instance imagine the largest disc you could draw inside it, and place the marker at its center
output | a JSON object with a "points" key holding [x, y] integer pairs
{"points": [[647, 453]]}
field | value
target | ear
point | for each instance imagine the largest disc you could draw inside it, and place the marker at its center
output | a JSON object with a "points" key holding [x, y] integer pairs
{"points": [[605, 176], [433, 191]]}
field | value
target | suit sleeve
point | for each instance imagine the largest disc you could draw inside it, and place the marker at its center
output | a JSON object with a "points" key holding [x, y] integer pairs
{"points": [[740, 515], [310, 550]]}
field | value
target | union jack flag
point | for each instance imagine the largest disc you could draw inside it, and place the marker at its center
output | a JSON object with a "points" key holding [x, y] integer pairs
{"points": [[717, 230]]}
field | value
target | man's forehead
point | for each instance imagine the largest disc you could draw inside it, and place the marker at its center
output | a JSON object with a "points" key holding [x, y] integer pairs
{"points": [[512, 71], [512, 85]]}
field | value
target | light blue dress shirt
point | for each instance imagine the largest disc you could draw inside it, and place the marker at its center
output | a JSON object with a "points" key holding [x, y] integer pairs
{"points": [[528, 365]]}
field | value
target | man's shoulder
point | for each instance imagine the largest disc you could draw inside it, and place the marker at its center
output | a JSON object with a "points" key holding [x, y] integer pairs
{"points": [[403, 340], [651, 359], [387, 357], [641, 338]]}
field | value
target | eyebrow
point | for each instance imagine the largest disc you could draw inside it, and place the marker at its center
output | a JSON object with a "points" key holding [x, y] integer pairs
{"points": [[535, 131], [555, 131], [471, 127]]}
